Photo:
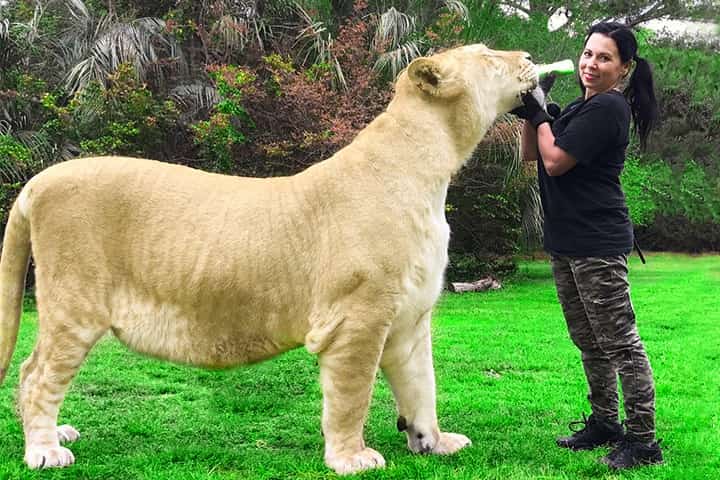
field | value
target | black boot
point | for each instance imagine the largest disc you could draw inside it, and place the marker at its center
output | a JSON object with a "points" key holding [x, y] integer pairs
{"points": [[595, 432], [632, 452]]}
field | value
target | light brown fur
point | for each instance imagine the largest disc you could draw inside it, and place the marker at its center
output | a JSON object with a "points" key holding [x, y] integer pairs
{"points": [[346, 258]]}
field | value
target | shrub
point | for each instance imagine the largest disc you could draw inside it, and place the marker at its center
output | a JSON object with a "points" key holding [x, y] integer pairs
{"points": [[673, 209], [222, 131], [15, 166], [642, 192], [485, 219], [300, 118], [125, 118], [677, 233]]}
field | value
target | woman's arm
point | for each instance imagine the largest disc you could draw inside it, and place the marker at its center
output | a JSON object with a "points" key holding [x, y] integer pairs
{"points": [[528, 143], [555, 160]]}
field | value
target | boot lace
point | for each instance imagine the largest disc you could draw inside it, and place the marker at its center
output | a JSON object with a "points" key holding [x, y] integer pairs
{"points": [[579, 425]]}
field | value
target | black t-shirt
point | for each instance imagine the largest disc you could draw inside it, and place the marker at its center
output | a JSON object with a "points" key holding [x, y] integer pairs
{"points": [[585, 210]]}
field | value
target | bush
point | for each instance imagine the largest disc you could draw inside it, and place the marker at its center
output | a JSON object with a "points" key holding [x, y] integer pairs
{"points": [[123, 119], [222, 131], [677, 233], [673, 209], [300, 118], [485, 220], [642, 189], [15, 166]]}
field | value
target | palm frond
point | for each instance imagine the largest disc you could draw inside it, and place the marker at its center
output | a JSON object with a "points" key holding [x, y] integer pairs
{"points": [[459, 8], [313, 38], [315, 42], [339, 75], [396, 60], [33, 26], [11, 172], [233, 33], [392, 28], [532, 215], [90, 49], [194, 99], [42, 149], [4, 29], [91, 108], [501, 144], [7, 49], [78, 10]]}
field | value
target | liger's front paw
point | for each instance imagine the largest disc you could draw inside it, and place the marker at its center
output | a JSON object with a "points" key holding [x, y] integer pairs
{"points": [[450, 443], [46, 457], [365, 459]]}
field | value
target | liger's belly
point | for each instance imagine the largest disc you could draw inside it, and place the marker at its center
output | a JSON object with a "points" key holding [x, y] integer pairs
{"points": [[204, 337]]}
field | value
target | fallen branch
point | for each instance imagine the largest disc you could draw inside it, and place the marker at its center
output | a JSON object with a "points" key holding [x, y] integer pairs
{"points": [[481, 285]]}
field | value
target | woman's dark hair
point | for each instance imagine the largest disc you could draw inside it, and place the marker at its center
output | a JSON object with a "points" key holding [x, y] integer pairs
{"points": [[640, 91]]}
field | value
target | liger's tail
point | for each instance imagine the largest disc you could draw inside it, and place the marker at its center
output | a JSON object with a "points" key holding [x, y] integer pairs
{"points": [[13, 269]]}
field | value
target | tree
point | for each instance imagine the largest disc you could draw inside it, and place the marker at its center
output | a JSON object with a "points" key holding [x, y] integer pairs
{"points": [[632, 12]]}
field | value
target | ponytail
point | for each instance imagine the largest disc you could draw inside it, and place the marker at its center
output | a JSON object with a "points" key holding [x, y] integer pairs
{"points": [[640, 93]]}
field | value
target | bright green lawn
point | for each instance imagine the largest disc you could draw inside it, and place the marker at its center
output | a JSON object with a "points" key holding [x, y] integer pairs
{"points": [[508, 377]]}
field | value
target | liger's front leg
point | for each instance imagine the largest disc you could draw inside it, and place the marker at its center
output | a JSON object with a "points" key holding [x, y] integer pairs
{"points": [[407, 364]]}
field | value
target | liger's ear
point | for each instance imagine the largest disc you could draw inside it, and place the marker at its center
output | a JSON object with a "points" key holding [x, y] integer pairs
{"points": [[428, 75]]}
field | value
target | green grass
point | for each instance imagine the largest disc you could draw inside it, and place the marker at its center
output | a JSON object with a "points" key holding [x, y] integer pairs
{"points": [[508, 377]]}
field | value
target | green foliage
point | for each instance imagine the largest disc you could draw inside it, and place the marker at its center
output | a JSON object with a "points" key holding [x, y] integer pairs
{"points": [[125, 118], [279, 62], [179, 25], [692, 70], [12, 152], [318, 71], [217, 135], [15, 160], [677, 209], [651, 188], [698, 198], [279, 67], [8, 193], [641, 190]]}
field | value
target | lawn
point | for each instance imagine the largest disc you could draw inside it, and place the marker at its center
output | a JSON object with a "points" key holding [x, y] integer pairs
{"points": [[508, 377]]}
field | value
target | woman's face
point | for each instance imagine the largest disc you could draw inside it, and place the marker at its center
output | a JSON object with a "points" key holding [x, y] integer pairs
{"points": [[600, 66]]}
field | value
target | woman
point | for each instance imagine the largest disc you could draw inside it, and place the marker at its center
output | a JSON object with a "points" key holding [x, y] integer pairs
{"points": [[589, 235]]}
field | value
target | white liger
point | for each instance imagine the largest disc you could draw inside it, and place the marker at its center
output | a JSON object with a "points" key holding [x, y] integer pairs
{"points": [[346, 258]]}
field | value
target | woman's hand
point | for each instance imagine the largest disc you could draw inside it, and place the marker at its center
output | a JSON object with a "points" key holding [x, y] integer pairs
{"points": [[532, 111]]}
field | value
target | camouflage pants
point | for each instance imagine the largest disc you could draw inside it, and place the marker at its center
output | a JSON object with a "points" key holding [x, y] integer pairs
{"points": [[595, 296]]}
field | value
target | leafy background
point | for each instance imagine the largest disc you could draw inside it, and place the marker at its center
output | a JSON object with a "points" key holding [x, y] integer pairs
{"points": [[266, 88]]}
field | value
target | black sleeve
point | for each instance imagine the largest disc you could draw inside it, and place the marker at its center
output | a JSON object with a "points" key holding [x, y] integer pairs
{"points": [[592, 130]]}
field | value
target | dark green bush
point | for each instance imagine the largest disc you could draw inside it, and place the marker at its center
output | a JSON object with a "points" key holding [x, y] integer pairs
{"points": [[123, 119], [485, 220]]}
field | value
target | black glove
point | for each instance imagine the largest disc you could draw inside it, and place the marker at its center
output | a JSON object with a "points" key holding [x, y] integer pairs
{"points": [[532, 111], [553, 109], [546, 82]]}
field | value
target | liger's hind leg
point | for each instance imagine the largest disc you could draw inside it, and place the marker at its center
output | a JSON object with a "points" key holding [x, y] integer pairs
{"points": [[28, 374], [46, 375]]}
